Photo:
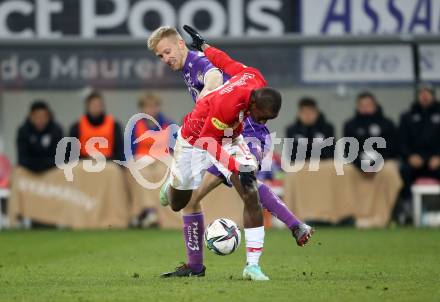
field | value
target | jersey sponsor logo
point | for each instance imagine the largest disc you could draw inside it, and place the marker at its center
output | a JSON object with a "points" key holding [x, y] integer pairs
{"points": [[200, 77], [219, 124], [193, 236]]}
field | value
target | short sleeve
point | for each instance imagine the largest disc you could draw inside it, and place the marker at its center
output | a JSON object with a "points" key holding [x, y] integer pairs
{"points": [[204, 67]]}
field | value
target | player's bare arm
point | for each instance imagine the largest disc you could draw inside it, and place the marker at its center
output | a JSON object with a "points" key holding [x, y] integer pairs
{"points": [[213, 79]]}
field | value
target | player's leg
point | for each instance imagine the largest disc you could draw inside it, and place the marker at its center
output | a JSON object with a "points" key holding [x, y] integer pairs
{"points": [[194, 225], [211, 180], [253, 229], [178, 198], [187, 171], [252, 211], [193, 231], [271, 202]]}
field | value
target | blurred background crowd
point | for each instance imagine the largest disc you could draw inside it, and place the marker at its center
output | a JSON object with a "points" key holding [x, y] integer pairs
{"points": [[344, 69]]}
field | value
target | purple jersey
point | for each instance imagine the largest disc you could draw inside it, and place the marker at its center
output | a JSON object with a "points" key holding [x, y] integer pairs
{"points": [[260, 132], [194, 70]]}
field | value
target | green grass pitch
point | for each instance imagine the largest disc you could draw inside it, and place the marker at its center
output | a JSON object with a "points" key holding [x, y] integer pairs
{"points": [[338, 265]]}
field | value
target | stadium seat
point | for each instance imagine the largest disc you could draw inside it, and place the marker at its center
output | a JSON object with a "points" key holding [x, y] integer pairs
{"points": [[421, 187]]}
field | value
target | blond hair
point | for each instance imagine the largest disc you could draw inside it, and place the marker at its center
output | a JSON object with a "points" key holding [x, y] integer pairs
{"points": [[148, 98], [160, 33]]}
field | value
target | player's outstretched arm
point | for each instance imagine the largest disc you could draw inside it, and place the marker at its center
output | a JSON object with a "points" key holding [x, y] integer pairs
{"points": [[221, 60], [216, 56]]}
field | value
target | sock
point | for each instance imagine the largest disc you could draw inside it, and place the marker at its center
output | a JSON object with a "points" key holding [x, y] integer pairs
{"points": [[193, 230], [254, 244], [271, 202]]}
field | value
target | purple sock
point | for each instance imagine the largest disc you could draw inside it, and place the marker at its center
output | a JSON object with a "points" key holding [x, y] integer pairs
{"points": [[193, 230], [271, 202]]}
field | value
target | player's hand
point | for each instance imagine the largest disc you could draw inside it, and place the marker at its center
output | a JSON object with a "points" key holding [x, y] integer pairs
{"points": [[198, 40], [247, 176]]}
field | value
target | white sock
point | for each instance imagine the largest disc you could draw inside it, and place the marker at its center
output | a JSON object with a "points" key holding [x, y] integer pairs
{"points": [[254, 244]]}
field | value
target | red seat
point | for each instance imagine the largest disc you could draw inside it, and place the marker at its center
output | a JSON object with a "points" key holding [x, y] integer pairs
{"points": [[427, 181], [5, 171]]}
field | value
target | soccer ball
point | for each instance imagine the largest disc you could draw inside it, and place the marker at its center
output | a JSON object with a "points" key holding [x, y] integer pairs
{"points": [[222, 236]]}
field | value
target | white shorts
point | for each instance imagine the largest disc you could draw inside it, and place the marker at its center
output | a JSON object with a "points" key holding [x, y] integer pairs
{"points": [[190, 163]]}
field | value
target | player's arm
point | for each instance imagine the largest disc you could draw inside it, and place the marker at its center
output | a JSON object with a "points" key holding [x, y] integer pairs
{"points": [[216, 56], [221, 60], [213, 79]]}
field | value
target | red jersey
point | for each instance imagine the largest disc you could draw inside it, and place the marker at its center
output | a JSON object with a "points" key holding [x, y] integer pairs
{"points": [[224, 108]]}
